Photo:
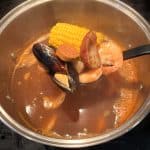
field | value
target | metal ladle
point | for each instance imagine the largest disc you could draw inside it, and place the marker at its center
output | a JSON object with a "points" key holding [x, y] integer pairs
{"points": [[136, 52]]}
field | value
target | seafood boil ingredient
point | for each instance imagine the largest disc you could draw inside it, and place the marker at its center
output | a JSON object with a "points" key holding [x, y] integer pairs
{"points": [[78, 65], [72, 34], [58, 70], [87, 112], [111, 56], [67, 52], [90, 76], [46, 55], [89, 51]]}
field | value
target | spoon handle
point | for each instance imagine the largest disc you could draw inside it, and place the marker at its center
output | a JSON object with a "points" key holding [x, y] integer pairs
{"points": [[136, 52]]}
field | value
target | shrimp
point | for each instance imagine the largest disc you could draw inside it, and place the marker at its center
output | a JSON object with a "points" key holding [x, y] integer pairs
{"points": [[90, 76], [111, 56], [79, 66], [111, 60]]}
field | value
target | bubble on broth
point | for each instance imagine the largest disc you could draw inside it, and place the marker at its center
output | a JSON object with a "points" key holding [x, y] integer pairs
{"points": [[13, 56], [68, 136], [29, 109], [9, 98], [129, 45], [41, 117], [47, 103], [19, 83], [34, 99], [41, 93], [85, 130], [141, 86], [81, 134], [27, 75]]}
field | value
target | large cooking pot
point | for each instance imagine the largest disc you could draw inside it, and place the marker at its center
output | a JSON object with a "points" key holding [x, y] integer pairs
{"points": [[34, 18]]}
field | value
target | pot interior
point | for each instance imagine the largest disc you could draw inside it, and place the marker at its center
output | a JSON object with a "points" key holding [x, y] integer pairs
{"points": [[36, 21]]}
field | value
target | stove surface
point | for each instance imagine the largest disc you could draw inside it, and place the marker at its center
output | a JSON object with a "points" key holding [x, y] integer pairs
{"points": [[137, 139]]}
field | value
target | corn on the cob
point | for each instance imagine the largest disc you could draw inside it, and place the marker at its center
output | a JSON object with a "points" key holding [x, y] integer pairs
{"points": [[67, 33]]}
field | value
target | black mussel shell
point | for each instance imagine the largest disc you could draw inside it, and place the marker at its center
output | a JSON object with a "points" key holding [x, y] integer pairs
{"points": [[67, 77], [46, 55], [71, 79], [74, 77]]}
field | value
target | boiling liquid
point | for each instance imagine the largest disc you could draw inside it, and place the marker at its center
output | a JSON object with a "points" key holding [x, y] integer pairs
{"points": [[91, 110]]}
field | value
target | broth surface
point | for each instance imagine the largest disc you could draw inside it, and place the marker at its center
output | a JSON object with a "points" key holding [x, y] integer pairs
{"points": [[93, 109]]}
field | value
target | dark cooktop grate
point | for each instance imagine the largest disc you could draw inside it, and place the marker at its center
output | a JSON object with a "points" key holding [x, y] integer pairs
{"points": [[137, 139]]}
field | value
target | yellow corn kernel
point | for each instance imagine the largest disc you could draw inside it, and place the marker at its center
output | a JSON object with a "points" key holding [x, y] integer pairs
{"points": [[67, 33]]}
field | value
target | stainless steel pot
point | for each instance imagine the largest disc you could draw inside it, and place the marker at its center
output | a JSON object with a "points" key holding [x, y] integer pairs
{"points": [[34, 18]]}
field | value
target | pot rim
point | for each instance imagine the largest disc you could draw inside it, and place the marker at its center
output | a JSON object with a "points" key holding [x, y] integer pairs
{"points": [[78, 143]]}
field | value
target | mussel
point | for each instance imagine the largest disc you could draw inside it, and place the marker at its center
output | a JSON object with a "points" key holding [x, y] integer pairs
{"points": [[46, 55], [63, 74]]}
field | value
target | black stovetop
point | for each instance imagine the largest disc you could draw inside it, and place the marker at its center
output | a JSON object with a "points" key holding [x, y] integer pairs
{"points": [[137, 139]]}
